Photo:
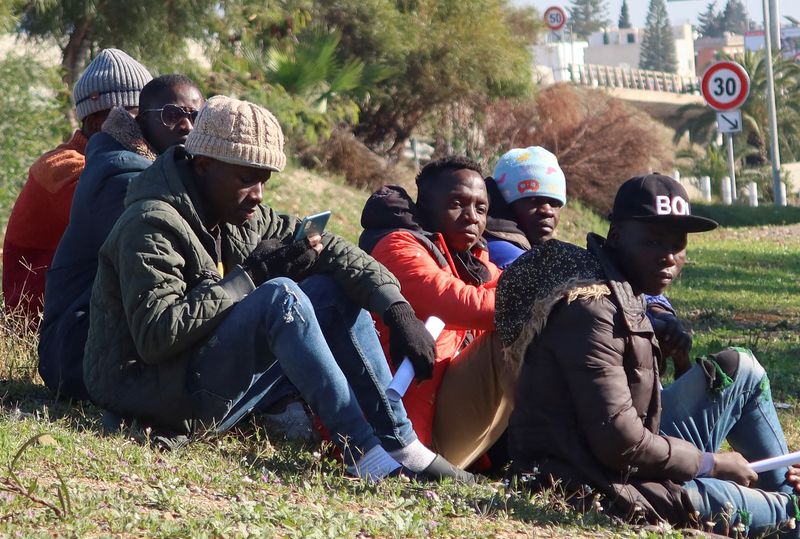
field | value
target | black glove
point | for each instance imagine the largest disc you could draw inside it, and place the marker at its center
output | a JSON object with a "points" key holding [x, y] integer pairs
{"points": [[674, 339], [409, 338], [271, 258]]}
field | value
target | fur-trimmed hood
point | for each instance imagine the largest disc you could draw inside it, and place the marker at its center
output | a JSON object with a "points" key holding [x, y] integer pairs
{"points": [[554, 271], [530, 288], [125, 130]]}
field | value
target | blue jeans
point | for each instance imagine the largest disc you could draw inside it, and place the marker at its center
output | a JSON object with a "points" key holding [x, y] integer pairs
{"points": [[308, 338], [744, 414]]}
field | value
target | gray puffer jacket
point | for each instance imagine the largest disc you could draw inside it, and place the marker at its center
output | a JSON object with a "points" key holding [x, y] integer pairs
{"points": [[158, 294]]}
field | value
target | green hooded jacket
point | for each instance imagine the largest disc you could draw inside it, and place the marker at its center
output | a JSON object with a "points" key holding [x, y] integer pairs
{"points": [[158, 295]]}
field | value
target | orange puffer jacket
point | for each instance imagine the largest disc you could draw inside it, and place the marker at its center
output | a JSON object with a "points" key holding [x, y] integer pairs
{"points": [[37, 222], [433, 290]]}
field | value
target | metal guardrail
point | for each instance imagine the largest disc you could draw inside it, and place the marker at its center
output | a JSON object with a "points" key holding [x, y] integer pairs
{"points": [[636, 79]]}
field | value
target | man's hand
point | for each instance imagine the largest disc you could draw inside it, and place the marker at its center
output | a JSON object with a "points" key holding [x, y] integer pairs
{"points": [[734, 467], [673, 338], [793, 477], [272, 258], [409, 338]]}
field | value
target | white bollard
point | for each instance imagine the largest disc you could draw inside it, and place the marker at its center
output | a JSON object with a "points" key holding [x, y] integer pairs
{"points": [[676, 174], [726, 190], [705, 187], [783, 194], [752, 193]]}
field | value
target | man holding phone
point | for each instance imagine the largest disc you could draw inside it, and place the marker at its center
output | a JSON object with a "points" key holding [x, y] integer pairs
{"points": [[197, 316]]}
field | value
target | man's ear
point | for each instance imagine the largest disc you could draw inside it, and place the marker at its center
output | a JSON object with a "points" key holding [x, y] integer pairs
{"points": [[612, 240], [139, 119], [200, 164], [93, 123]]}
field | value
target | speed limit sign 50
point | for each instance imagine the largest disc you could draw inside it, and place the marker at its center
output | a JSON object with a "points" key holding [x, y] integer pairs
{"points": [[725, 85], [555, 18]]}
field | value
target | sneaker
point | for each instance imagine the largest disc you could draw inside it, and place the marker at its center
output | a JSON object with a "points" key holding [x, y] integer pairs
{"points": [[440, 469], [292, 422]]}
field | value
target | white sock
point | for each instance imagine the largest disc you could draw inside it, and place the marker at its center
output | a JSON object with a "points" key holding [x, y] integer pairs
{"points": [[374, 465], [415, 456]]}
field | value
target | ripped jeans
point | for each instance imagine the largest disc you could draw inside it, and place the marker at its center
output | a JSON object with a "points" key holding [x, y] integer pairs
{"points": [[742, 412], [306, 338]]}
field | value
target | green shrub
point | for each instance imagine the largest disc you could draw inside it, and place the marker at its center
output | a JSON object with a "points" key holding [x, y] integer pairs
{"points": [[31, 121]]}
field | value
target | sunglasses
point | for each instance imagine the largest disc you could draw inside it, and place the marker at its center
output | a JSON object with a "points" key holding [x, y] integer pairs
{"points": [[172, 114]]}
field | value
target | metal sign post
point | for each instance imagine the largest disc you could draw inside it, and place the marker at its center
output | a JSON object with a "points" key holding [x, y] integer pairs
{"points": [[732, 166], [725, 86], [774, 148], [730, 122]]}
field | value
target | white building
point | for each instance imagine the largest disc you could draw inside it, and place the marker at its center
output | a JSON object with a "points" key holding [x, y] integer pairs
{"points": [[552, 60], [622, 48], [790, 41], [612, 47]]}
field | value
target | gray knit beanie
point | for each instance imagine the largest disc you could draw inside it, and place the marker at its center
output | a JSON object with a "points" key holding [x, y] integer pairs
{"points": [[112, 79], [237, 132]]}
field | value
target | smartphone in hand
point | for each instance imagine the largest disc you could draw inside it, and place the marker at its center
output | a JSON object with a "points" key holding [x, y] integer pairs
{"points": [[312, 225]]}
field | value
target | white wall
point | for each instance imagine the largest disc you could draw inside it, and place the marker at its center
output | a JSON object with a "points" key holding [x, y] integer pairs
{"points": [[557, 57], [621, 52]]}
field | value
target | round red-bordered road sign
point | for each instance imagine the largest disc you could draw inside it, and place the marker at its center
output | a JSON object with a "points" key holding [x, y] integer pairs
{"points": [[555, 18], [725, 85]]}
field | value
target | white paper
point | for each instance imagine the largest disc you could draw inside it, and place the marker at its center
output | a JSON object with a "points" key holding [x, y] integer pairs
{"points": [[405, 373], [774, 463]]}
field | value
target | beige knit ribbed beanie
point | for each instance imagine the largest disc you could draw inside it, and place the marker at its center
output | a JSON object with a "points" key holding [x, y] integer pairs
{"points": [[237, 132]]}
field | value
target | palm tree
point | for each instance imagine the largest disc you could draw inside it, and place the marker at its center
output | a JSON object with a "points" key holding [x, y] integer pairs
{"points": [[713, 162], [700, 122], [313, 68]]}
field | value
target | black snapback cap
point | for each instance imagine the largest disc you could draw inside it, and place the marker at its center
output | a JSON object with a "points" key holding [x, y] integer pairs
{"points": [[658, 199]]}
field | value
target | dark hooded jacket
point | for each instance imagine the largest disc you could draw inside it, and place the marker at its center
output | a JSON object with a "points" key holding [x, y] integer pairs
{"points": [[113, 156], [159, 296], [588, 403]]}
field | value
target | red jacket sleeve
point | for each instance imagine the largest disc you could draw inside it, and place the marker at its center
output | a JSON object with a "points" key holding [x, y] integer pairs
{"points": [[433, 290]]}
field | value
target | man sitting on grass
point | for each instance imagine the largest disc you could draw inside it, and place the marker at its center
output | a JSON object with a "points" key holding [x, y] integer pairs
{"points": [[460, 406], [128, 143], [197, 318], [590, 413], [42, 210], [527, 193]]}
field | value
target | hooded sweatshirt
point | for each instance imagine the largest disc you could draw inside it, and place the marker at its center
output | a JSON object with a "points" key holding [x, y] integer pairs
{"points": [[113, 156]]}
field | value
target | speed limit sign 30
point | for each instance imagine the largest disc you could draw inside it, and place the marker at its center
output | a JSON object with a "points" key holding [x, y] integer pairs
{"points": [[725, 86]]}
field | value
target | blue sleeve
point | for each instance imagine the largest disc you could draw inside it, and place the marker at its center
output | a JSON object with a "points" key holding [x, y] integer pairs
{"points": [[503, 253], [660, 300]]}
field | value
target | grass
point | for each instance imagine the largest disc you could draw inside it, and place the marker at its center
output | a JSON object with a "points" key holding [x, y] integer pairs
{"points": [[238, 485], [739, 287], [744, 216]]}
